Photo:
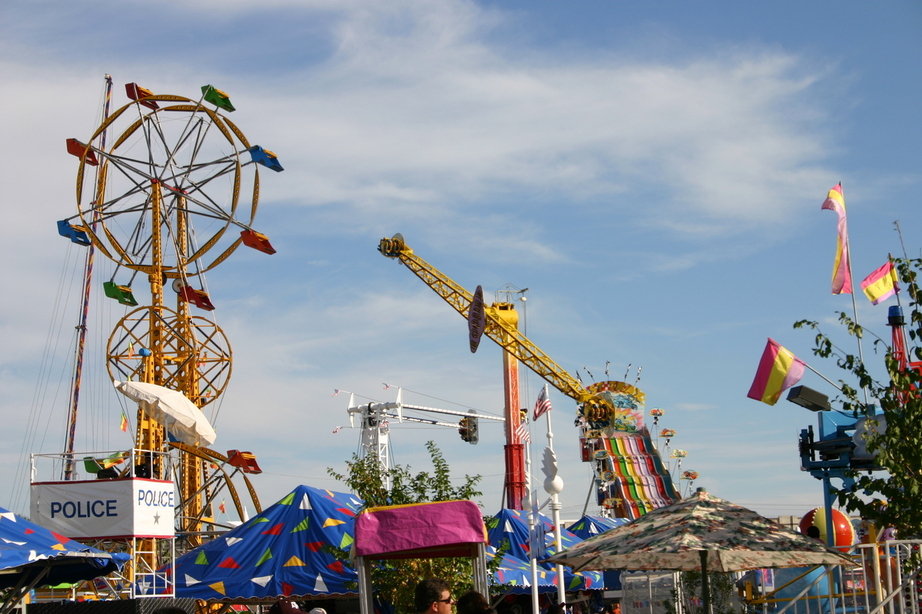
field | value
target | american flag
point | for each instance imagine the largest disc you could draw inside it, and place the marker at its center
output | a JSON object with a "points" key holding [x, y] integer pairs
{"points": [[543, 404], [522, 433]]}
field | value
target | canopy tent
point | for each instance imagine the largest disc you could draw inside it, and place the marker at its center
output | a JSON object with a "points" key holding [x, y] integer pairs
{"points": [[590, 526], [286, 551], [31, 555], [514, 575], [508, 532], [419, 530]]}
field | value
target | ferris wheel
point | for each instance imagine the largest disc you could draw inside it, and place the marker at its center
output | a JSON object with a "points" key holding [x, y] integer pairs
{"points": [[172, 196], [168, 188], [178, 188]]}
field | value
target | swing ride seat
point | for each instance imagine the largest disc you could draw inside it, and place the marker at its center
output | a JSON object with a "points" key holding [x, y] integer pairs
{"points": [[65, 229], [105, 467], [266, 158], [138, 94], [256, 240], [245, 461], [122, 294], [91, 465], [197, 297], [76, 148]]}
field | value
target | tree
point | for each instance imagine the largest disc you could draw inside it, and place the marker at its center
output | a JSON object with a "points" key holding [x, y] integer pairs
{"points": [[395, 581], [893, 497]]}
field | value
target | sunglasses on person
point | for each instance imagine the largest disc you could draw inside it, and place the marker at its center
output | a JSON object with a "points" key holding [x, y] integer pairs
{"points": [[449, 601]]}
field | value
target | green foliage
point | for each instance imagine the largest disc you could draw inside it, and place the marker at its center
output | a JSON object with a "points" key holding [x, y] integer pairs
{"points": [[395, 581], [892, 498]]}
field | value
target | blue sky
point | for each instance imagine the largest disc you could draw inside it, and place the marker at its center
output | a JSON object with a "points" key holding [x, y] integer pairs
{"points": [[653, 173]]}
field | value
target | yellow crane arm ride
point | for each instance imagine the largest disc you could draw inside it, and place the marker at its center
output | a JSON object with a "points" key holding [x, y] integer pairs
{"points": [[502, 329]]}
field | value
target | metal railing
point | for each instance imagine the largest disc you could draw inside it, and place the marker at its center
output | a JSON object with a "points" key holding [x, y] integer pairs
{"points": [[886, 579]]}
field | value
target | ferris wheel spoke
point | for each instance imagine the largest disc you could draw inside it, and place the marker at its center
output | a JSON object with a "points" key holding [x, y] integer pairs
{"points": [[183, 181], [163, 142], [206, 208], [139, 242], [131, 173], [112, 208], [215, 217], [199, 141]]}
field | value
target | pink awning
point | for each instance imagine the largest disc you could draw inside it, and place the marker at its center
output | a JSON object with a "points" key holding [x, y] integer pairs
{"points": [[421, 530]]}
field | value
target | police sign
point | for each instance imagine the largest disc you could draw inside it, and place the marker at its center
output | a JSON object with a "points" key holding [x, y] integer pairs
{"points": [[130, 507]]}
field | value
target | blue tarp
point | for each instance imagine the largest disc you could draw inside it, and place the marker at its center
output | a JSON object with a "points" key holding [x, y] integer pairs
{"points": [[508, 532], [515, 575], [590, 526], [284, 551], [33, 550]]}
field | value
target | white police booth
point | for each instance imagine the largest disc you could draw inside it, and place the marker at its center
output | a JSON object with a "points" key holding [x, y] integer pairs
{"points": [[108, 497]]}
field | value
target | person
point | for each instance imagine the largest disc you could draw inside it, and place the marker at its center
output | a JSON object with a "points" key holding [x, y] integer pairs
{"points": [[473, 602], [433, 596], [284, 606]]}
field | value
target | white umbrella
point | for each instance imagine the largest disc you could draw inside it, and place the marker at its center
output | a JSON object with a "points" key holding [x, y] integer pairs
{"points": [[173, 410]]}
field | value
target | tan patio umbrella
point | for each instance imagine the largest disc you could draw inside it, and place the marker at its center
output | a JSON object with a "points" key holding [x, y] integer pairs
{"points": [[701, 533]]}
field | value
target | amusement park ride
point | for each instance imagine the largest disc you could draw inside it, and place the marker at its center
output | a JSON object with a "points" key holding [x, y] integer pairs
{"points": [[838, 446], [630, 476], [172, 197]]}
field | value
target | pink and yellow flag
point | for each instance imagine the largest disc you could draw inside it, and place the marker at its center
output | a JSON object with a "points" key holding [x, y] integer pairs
{"points": [[881, 284], [124, 423], [778, 370], [841, 268]]}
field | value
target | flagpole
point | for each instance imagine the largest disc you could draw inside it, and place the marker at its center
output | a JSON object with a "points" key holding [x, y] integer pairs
{"points": [[823, 377], [553, 486], [848, 263], [532, 555], [531, 500], [864, 389]]}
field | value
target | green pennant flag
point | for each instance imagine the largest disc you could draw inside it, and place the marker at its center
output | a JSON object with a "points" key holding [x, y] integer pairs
{"points": [[303, 525], [217, 97], [265, 557]]}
